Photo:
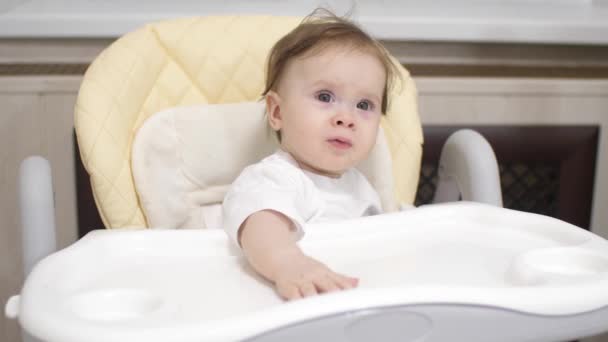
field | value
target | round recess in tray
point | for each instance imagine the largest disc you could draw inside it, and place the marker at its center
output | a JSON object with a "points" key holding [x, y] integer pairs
{"points": [[115, 304]]}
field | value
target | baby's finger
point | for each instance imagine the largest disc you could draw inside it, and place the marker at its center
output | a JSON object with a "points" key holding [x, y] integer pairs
{"points": [[326, 284], [308, 289], [290, 292], [345, 282]]}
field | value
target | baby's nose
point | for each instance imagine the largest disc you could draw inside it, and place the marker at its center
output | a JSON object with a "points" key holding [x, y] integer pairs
{"points": [[343, 118], [345, 121]]}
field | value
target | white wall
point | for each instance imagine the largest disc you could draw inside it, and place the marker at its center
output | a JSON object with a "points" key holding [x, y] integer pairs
{"points": [[533, 21], [7, 5]]}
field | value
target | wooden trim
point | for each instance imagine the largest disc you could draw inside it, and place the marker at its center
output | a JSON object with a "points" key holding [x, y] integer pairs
{"points": [[42, 69], [529, 87], [416, 70], [84, 50], [507, 54], [435, 86], [51, 50], [62, 56], [512, 71], [40, 84]]}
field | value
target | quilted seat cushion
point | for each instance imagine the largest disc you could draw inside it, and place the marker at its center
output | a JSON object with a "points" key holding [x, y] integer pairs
{"points": [[184, 159], [188, 61]]}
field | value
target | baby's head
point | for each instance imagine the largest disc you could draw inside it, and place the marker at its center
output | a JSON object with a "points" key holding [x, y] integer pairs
{"points": [[326, 89]]}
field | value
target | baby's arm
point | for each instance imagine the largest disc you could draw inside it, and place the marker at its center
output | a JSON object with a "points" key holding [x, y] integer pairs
{"points": [[269, 244]]}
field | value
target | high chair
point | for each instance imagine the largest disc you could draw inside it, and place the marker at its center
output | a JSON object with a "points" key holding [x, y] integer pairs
{"points": [[167, 117]]}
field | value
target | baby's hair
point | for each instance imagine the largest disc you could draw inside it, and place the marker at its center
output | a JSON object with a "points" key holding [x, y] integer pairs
{"points": [[319, 30]]}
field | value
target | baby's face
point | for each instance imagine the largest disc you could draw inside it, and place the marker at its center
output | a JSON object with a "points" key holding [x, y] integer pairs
{"points": [[328, 109]]}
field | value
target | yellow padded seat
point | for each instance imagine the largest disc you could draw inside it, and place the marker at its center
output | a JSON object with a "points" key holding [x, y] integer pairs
{"points": [[199, 60]]}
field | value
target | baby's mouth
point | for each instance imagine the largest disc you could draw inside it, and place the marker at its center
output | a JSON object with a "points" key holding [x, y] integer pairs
{"points": [[340, 143]]}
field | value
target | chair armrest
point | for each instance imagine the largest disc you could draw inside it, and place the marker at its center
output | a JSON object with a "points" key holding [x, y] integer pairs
{"points": [[37, 211], [468, 170]]}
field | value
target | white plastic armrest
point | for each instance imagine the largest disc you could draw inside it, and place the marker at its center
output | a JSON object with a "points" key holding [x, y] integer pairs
{"points": [[468, 169], [37, 211]]}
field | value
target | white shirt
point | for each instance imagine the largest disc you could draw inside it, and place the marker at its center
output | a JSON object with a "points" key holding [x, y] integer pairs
{"points": [[278, 183]]}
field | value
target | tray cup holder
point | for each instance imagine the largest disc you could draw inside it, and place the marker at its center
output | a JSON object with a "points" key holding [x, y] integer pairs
{"points": [[115, 304], [556, 265]]}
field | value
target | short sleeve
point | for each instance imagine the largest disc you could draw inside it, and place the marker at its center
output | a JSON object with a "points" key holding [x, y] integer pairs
{"points": [[267, 186]]}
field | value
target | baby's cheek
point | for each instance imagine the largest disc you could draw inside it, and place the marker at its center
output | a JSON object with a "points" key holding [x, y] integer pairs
{"points": [[369, 115]]}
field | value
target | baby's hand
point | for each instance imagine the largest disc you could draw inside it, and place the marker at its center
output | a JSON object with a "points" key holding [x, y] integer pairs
{"points": [[303, 276], [269, 244]]}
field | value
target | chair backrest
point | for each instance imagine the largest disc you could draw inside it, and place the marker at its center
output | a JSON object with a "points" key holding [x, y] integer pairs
{"points": [[188, 61]]}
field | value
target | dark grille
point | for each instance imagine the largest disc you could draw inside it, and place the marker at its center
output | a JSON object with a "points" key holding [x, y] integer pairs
{"points": [[426, 184], [526, 187]]}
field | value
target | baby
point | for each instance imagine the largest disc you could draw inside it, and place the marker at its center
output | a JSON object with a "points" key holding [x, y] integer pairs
{"points": [[326, 90]]}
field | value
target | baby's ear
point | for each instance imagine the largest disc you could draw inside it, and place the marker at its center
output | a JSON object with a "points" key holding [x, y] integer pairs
{"points": [[273, 109]]}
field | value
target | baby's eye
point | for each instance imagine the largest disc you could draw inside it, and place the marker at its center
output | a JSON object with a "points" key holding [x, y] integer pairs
{"points": [[365, 105], [324, 96]]}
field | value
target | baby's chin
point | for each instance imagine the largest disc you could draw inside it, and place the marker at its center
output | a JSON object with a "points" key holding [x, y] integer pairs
{"points": [[327, 166], [334, 171]]}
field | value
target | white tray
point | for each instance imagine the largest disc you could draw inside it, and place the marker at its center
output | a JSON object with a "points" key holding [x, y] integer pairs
{"points": [[192, 285]]}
